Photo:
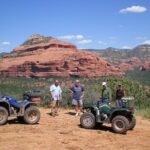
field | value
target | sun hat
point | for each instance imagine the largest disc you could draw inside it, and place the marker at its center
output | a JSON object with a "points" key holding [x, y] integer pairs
{"points": [[104, 83]]}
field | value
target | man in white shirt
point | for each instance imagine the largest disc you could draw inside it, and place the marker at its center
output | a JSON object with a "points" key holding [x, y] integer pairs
{"points": [[56, 96]]}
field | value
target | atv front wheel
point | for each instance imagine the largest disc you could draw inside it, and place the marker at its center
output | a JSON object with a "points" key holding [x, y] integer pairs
{"points": [[132, 123], [3, 115], [120, 124], [87, 120], [32, 115]]}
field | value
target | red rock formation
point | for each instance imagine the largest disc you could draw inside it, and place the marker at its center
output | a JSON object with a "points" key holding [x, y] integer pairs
{"points": [[126, 66], [54, 58], [146, 66], [130, 64]]}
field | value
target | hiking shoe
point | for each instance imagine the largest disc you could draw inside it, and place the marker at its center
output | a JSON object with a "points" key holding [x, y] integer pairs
{"points": [[56, 114], [81, 113], [53, 114], [77, 114]]}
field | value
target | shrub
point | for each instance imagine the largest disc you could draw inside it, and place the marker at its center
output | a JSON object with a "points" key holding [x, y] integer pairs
{"points": [[17, 86]]}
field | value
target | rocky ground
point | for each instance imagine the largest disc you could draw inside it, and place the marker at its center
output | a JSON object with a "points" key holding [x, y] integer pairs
{"points": [[64, 133]]}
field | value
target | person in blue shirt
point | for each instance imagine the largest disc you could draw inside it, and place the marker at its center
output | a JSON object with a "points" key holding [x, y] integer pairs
{"points": [[77, 91]]}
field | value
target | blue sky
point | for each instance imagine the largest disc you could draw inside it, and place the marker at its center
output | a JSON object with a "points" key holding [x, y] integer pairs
{"points": [[86, 23]]}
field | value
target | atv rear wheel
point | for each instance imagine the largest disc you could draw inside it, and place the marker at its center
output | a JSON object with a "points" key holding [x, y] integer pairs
{"points": [[120, 124], [132, 123], [3, 115], [87, 120], [32, 115]]}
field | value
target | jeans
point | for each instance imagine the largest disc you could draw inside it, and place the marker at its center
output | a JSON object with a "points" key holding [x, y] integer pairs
{"points": [[119, 103], [105, 100]]}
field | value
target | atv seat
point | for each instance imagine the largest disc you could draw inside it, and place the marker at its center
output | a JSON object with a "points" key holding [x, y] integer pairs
{"points": [[13, 102]]}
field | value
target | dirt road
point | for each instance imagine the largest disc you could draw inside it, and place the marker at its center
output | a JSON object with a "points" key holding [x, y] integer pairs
{"points": [[64, 133]]}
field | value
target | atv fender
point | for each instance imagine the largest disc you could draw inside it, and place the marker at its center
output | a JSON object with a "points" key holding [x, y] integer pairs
{"points": [[122, 112], [30, 103], [5, 104], [89, 106], [26, 105]]}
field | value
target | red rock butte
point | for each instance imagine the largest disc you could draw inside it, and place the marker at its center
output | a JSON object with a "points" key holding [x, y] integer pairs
{"points": [[44, 57]]}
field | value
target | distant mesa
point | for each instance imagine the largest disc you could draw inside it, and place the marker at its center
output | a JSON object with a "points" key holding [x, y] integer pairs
{"points": [[126, 59], [44, 57]]}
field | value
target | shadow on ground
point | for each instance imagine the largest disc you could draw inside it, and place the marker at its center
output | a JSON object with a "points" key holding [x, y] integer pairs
{"points": [[16, 121], [71, 113], [100, 128]]}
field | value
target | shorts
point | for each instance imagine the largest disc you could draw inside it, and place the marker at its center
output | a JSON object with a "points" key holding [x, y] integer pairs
{"points": [[77, 102], [55, 103]]}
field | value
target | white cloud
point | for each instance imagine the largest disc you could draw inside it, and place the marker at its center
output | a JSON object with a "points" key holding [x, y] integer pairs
{"points": [[146, 42], [70, 37], [126, 47], [134, 9], [102, 43], [85, 41], [79, 37], [5, 43]]}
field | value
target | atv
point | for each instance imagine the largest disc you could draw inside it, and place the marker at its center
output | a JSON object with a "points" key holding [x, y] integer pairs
{"points": [[26, 111], [121, 118]]}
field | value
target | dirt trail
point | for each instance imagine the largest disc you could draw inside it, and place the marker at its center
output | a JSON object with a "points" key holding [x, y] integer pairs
{"points": [[64, 133]]}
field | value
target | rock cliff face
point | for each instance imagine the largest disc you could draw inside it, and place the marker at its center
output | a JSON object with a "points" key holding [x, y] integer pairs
{"points": [[131, 64], [125, 59], [146, 66], [48, 57]]}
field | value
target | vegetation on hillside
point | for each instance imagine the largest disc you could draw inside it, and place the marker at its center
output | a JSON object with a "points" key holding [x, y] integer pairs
{"points": [[142, 76], [36, 39], [17, 86]]}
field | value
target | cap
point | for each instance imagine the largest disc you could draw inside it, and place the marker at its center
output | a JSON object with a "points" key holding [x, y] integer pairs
{"points": [[77, 81], [104, 83]]}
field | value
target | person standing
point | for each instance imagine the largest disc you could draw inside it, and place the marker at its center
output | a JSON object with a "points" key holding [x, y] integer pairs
{"points": [[56, 96], [106, 93], [119, 94], [77, 91]]}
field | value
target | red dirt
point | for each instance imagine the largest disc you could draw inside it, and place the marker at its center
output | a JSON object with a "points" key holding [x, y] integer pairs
{"points": [[64, 133]]}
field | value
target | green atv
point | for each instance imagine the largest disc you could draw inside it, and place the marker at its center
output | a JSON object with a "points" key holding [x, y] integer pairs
{"points": [[122, 118]]}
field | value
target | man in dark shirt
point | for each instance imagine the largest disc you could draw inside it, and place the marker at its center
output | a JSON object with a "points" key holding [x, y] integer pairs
{"points": [[119, 95], [77, 91]]}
